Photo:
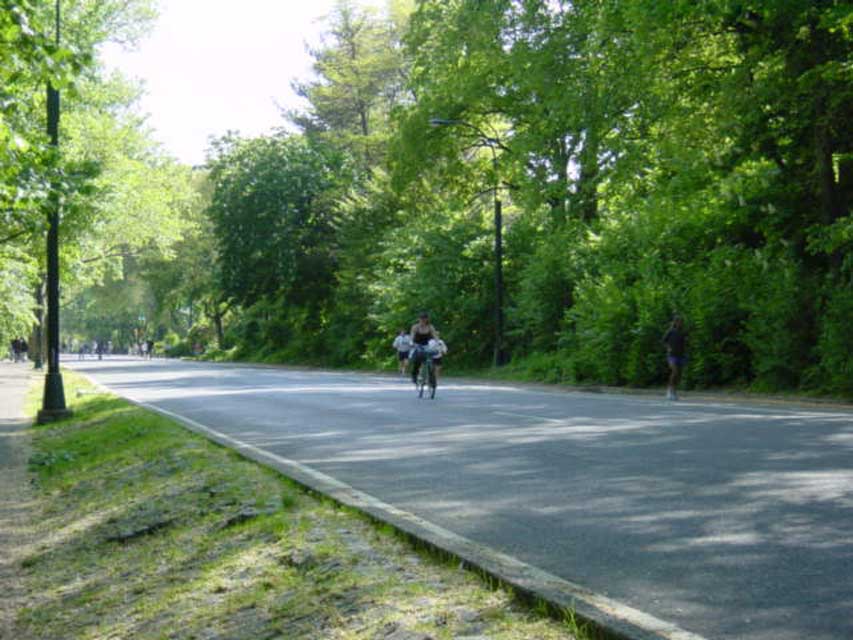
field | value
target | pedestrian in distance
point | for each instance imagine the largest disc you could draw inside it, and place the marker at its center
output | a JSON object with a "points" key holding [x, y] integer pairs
{"points": [[23, 349], [403, 345], [675, 340]]}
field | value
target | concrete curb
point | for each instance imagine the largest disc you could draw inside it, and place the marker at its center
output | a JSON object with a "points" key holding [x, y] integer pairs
{"points": [[610, 618]]}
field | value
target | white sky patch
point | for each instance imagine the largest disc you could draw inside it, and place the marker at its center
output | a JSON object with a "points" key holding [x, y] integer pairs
{"points": [[216, 65]]}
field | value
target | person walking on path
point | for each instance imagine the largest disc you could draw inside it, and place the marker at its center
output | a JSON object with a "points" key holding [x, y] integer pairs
{"points": [[403, 345], [675, 340]]}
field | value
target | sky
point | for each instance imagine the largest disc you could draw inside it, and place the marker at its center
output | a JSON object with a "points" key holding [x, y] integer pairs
{"points": [[211, 66]]}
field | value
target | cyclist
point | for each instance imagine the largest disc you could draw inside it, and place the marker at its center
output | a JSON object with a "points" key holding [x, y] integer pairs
{"points": [[422, 332]]}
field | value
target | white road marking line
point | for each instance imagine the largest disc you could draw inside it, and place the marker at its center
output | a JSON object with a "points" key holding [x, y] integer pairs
{"points": [[513, 414]]}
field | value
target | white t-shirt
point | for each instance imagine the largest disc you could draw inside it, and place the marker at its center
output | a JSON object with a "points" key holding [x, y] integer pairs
{"points": [[403, 343], [437, 346]]}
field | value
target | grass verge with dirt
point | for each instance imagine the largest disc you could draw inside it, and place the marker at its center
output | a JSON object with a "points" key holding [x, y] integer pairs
{"points": [[146, 530]]}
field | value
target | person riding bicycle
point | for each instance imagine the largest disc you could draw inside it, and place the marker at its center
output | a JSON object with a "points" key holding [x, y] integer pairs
{"points": [[422, 332]]}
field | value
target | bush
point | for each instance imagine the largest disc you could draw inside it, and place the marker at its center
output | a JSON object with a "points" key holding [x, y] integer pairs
{"points": [[715, 317], [545, 289], [835, 342], [551, 367], [780, 325], [180, 350], [597, 334]]}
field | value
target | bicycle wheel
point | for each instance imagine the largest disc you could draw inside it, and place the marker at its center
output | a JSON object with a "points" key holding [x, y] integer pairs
{"points": [[422, 378]]}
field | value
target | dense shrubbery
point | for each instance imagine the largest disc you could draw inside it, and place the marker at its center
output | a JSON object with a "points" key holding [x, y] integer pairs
{"points": [[652, 158], [687, 185]]}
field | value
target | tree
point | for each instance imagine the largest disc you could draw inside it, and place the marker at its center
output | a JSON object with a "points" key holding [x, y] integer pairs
{"points": [[29, 59], [273, 216], [360, 75], [118, 194]]}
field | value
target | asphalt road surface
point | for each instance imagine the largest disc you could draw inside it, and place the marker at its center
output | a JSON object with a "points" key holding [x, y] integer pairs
{"points": [[731, 521]]}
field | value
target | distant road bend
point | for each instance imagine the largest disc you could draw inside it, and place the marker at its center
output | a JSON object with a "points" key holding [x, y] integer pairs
{"points": [[731, 521]]}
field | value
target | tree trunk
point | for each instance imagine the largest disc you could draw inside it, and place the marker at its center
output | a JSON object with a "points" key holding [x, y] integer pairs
{"points": [[561, 165], [824, 172], [37, 339], [829, 191], [217, 323], [588, 181]]}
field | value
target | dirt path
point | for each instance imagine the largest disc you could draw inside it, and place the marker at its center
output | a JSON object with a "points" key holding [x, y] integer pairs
{"points": [[16, 498]]}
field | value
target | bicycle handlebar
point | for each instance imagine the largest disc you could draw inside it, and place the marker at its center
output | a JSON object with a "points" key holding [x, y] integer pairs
{"points": [[423, 348]]}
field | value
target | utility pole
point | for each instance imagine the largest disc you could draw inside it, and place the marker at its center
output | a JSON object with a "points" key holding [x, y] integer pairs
{"points": [[499, 354], [53, 402], [492, 142]]}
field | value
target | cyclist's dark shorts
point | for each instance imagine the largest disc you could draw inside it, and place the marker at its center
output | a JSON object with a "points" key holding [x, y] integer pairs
{"points": [[402, 355], [436, 361]]}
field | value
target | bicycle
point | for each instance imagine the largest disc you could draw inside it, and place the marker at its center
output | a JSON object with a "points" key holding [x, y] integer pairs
{"points": [[426, 374]]}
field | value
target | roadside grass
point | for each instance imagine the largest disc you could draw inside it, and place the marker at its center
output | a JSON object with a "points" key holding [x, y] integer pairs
{"points": [[148, 531]]}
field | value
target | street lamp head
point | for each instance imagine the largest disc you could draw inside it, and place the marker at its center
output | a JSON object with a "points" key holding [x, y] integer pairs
{"points": [[486, 140], [442, 122]]}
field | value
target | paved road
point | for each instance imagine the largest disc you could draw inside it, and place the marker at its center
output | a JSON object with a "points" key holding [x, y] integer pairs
{"points": [[731, 521]]}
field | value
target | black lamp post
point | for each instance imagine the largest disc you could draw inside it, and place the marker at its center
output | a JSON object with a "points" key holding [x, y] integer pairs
{"points": [[53, 401], [492, 143]]}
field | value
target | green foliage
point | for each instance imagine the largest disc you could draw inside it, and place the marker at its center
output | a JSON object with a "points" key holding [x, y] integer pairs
{"points": [[780, 327], [359, 79], [273, 331], [117, 196], [29, 60], [272, 212], [835, 343], [442, 265], [552, 367], [17, 281], [599, 335], [653, 158], [547, 262]]}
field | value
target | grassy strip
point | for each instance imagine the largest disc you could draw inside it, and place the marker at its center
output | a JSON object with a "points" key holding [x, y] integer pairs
{"points": [[149, 531]]}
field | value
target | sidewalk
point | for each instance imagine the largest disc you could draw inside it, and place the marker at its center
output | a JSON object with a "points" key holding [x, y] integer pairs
{"points": [[16, 500]]}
